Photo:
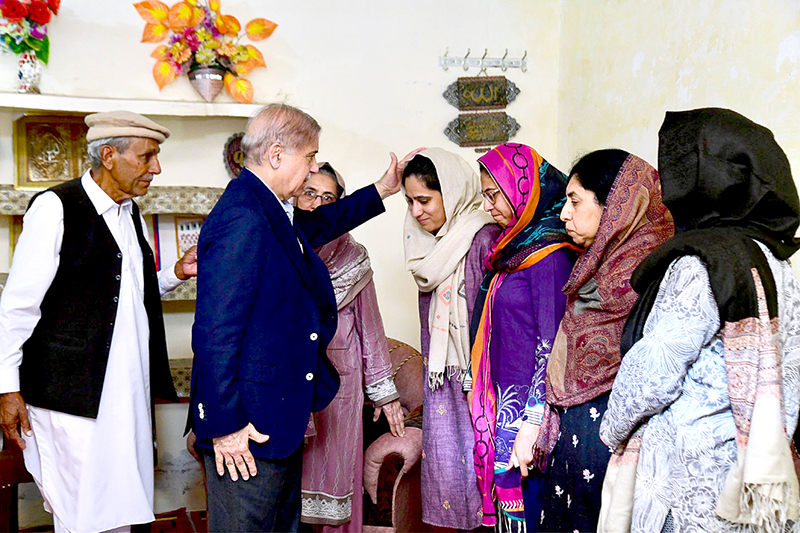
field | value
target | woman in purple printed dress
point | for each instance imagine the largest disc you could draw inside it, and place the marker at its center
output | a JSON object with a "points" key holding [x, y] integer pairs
{"points": [[446, 236], [522, 305]]}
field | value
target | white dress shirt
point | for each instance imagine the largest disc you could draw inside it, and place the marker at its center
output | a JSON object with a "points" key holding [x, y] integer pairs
{"points": [[94, 474]]}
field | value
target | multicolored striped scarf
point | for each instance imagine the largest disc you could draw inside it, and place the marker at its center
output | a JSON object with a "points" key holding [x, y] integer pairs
{"points": [[536, 192]]}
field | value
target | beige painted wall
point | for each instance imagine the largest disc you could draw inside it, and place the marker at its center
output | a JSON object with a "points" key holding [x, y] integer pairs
{"points": [[624, 63]]}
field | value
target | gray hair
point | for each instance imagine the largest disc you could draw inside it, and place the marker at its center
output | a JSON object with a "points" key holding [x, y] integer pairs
{"points": [[281, 123], [120, 143]]}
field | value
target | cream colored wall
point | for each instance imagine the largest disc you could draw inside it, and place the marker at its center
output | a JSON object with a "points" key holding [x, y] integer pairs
{"points": [[624, 63]]}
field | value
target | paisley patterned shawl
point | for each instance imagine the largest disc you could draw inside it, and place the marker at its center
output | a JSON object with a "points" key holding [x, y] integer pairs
{"points": [[536, 191], [586, 352]]}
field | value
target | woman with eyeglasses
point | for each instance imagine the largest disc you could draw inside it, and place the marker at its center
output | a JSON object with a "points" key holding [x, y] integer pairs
{"points": [[521, 305], [615, 214], [333, 456], [446, 236]]}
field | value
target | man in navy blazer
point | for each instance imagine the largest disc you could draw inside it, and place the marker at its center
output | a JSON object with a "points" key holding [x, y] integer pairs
{"points": [[265, 314]]}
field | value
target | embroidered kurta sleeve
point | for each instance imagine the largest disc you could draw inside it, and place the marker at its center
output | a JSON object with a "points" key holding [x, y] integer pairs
{"points": [[377, 365], [684, 318], [33, 269]]}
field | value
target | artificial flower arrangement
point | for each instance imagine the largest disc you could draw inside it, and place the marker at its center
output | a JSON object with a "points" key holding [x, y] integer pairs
{"points": [[200, 36], [23, 26]]}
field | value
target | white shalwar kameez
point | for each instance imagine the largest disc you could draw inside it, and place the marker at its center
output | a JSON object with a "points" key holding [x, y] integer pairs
{"points": [[94, 474]]}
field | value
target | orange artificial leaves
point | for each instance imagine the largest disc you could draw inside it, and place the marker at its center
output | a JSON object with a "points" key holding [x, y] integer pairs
{"points": [[163, 74], [180, 16], [258, 29], [154, 33], [160, 53], [232, 25], [241, 89], [152, 12]]}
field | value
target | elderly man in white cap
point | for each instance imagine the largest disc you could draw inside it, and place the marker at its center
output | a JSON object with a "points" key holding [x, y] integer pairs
{"points": [[82, 343]]}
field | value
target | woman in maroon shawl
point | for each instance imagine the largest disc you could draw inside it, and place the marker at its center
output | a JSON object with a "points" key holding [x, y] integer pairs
{"points": [[333, 456], [614, 211]]}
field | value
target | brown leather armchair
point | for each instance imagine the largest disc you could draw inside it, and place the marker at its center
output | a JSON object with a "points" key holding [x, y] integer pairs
{"points": [[392, 464]]}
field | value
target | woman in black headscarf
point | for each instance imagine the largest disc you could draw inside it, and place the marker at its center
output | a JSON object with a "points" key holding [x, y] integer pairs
{"points": [[708, 389]]}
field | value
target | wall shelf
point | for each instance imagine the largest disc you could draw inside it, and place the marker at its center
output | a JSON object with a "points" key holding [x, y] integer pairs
{"points": [[158, 201], [48, 102], [186, 291]]}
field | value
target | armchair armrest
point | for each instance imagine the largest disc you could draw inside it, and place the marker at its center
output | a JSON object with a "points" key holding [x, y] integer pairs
{"points": [[409, 447]]}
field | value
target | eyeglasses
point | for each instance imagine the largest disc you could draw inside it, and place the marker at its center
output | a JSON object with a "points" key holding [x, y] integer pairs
{"points": [[311, 195], [490, 195]]}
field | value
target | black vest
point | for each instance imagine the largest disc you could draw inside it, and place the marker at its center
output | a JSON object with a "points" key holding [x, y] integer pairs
{"points": [[64, 360]]}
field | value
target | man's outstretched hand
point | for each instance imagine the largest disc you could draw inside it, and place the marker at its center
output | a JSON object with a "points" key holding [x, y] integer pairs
{"points": [[390, 182]]}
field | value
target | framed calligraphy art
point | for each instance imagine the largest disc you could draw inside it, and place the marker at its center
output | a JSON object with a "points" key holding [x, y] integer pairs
{"points": [[481, 129], [481, 93], [49, 149]]}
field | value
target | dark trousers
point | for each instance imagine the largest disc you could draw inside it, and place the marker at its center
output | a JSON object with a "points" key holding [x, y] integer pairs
{"points": [[268, 501]]}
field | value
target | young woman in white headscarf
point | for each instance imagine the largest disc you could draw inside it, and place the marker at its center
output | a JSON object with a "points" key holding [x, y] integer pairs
{"points": [[446, 237]]}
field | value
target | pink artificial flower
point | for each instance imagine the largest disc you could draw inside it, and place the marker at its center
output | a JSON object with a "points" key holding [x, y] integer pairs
{"points": [[192, 42]]}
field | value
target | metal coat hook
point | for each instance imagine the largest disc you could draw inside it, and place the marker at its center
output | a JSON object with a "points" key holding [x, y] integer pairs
{"points": [[483, 66], [483, 63]]}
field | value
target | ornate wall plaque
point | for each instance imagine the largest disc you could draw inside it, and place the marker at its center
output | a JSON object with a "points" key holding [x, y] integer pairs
{"points": [[481, 129], [233, 155], [481, 92], [49, 149]]}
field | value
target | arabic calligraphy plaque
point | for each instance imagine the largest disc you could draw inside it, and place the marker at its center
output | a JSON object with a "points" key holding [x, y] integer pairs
{"points": [[49, 149], [481, 93], [481, 129]]}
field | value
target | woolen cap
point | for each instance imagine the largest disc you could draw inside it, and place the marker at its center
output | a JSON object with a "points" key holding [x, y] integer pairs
{"points": [[123, 124]]}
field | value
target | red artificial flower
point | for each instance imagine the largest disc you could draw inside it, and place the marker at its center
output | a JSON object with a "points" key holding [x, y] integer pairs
{"points": [[54, 5], [13, 10], [39, 12]]}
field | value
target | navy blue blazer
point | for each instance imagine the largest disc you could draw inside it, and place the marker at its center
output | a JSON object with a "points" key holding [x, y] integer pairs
{"points": [[265, 315]]}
